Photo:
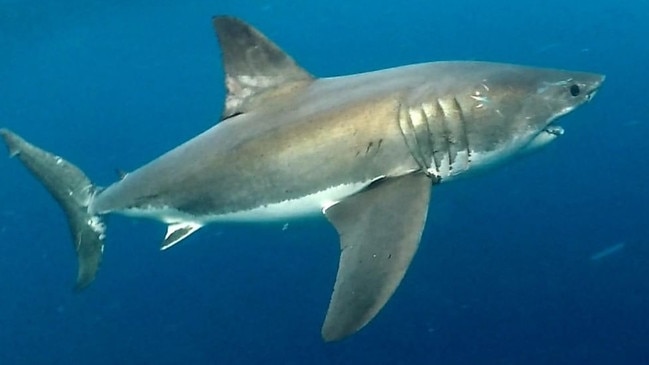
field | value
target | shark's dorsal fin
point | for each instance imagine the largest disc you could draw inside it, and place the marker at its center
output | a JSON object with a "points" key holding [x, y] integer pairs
{"points": [[256, 69]]}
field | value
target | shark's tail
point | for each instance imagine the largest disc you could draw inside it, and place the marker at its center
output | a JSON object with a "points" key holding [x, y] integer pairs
{"points": [[74, 191]]}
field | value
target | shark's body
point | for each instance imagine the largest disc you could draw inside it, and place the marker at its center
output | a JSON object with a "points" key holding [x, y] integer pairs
{"points": [[363, 149], [327, 142]]}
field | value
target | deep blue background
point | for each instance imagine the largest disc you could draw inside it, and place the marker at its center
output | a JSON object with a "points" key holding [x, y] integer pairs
{"points": [[503, 275]]}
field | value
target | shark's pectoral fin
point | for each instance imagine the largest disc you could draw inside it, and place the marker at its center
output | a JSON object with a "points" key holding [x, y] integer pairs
{"points": [[379, 229], [177, 232]]}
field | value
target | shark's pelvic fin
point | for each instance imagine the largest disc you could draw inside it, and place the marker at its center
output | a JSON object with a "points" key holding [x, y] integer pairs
{"points": [[379, 229], [74, 191], [256, 69], [177, 232]]}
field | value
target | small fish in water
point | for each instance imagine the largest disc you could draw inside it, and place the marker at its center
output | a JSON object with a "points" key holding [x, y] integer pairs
{"points": [[607, 251]]}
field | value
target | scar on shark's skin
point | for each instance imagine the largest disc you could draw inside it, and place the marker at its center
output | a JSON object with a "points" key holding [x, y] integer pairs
{"points": [[288, 145]]}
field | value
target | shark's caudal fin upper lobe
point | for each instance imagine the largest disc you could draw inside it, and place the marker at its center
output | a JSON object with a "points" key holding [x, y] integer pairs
{"points": [[74, 191]]}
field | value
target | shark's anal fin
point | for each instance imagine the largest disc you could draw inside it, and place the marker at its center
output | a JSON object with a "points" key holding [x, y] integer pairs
{"points": [[380, 229], [256, 69], [177, 232], [74, 191]]}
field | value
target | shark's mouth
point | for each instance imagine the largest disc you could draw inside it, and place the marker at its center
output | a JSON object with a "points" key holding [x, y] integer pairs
{"points": [[554, 130], [545, 136]]}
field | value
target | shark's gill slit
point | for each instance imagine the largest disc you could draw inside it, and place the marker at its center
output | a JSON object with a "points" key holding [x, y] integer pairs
{"points": [[407, 132]]}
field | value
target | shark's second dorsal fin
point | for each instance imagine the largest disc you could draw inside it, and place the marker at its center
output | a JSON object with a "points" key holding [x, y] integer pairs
{"points": [[256, 69]]}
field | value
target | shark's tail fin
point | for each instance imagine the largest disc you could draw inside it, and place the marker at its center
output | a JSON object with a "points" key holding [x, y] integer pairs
{"points": [[74, 191]]}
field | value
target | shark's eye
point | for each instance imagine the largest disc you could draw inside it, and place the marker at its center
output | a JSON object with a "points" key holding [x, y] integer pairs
{"points": [[574, 90]]}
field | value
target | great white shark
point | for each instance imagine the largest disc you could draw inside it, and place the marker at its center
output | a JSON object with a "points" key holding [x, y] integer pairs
{"points": [[365, 150]]}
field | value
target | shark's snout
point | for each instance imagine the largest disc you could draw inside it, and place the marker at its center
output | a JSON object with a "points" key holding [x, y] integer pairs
{"points": [[593, 87]]}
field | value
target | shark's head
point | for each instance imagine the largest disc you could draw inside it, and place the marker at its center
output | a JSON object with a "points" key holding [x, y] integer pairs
{"points": [[553, 94], [512, 109]]}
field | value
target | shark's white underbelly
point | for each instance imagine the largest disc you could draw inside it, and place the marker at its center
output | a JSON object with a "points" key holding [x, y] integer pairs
{"points": [[308, 205]]}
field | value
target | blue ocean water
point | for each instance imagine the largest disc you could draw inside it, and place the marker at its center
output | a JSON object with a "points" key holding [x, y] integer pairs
{"points": [[508, 271]]}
